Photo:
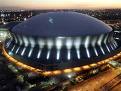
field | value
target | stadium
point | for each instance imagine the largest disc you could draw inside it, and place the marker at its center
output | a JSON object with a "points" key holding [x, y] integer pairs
{"points": [[57, 43]]}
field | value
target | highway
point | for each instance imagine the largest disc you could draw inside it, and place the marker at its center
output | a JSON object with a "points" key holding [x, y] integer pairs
{"points": [[99, 82], [111, 84]]}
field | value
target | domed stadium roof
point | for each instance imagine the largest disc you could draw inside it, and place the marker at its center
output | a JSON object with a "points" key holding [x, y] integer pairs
{"points": [[55, 24], [60, 40]]}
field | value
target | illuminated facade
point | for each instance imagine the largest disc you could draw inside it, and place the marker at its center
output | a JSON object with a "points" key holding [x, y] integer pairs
{"points": [[61, 42]]}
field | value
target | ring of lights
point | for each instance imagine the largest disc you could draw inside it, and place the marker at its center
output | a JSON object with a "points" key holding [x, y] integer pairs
{"points": [[60, 52], [58, 72]]}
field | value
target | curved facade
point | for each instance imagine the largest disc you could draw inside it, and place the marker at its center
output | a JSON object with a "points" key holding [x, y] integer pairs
{"points": [[61, 40]]}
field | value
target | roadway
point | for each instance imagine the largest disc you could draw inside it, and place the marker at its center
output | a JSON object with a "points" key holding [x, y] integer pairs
{"points": [[117, 87], [98, 82]]}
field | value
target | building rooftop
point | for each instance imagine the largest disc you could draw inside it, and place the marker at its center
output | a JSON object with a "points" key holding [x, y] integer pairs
{"points": [[55, 24]]}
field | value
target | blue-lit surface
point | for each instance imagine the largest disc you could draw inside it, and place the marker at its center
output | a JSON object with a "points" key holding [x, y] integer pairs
{"points": [[61, 24]]}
